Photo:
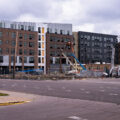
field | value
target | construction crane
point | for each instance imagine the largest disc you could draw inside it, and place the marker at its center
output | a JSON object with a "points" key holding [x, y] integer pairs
{"points": [[76, 67]]}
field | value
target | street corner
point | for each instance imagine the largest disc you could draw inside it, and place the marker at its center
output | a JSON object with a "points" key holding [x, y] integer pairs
{"points": [[14, 98]]}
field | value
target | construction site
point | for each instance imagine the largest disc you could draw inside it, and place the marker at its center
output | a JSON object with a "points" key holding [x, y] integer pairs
{"points": [[72, 70], [53, 51]]}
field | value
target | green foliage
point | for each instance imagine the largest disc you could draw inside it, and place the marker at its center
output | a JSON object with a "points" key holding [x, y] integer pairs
{"points": [[3, 94]]}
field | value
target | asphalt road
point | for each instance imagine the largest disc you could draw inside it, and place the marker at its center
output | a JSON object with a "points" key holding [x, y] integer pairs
{"points": [[94, 90], [93, 99]]}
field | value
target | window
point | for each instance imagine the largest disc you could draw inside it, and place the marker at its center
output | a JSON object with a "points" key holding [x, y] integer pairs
{"points": [[0, 24], [42, 60], [58, 40], [31, 44], [22, 27], [20, 43], [13, 43], [7, 41], [61, 32], [20, 36], [25, 52], [39, 37], [39, 29], [0, 50], [13, 51], [0, 34], [25, 59], [12, 26], [32, 28], [25, 44], [57, 61], [42, 37], [7, 50], [42, 45], [51, 46], [12, 59], [31, 36], [13, 35], [51, 39], [68, 32], [1, 59], [39, 45], [31, 60], [7, 33], [20, 51], [31, 52], [93, 38], [51, 60], [39, 53], [47, 30], [29, 28], [39, 60], [42, 52], [43, 30], [25, 36], [20, 59], [55, 31], [0, 42], [105, 39], [50, 30]]}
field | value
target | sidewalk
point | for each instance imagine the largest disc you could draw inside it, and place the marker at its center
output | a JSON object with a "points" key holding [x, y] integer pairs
{"points": [[14, 97]]}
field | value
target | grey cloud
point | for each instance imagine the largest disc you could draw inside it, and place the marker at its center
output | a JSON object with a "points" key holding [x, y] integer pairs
{"points": [[103, 14]]}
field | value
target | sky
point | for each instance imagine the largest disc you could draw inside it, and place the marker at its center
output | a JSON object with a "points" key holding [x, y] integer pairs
{"points": [[101, 16]]}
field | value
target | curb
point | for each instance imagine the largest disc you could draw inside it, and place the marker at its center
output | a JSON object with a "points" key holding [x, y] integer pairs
{"points": [[13, 103]]}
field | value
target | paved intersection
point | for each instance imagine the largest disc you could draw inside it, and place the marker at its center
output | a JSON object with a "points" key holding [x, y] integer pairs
{"points": [[95, 99]]}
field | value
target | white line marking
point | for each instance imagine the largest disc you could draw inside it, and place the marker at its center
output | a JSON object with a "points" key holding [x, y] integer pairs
{"points": [[102, 90], [76, 118], [87, 92], [82, 89], [68, 90], [113, 94]]}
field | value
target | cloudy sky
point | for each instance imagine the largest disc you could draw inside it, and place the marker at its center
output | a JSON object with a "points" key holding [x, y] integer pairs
{"points": [[87, 15]]}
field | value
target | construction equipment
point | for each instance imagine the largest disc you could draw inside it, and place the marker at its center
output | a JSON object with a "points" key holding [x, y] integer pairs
{"points": [[78, 62], [76, 67], [115, 70]]}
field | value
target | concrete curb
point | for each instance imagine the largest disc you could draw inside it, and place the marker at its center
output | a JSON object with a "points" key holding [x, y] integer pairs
{"points": [[15, 98]]}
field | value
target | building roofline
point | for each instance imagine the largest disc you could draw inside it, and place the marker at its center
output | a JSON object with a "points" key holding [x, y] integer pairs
{"points": [[98, 33]]}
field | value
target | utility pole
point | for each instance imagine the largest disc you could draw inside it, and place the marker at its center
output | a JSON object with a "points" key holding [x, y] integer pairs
{"points": [[112, 60], [60, 62], [14, 62]]}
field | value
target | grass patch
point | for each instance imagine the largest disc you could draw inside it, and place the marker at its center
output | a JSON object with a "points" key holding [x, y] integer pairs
{"points": [[3, 94], [12, 103]]}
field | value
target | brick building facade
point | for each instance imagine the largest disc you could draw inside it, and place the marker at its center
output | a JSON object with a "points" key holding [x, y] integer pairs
{"points": [[19, 43], [55, 45]]}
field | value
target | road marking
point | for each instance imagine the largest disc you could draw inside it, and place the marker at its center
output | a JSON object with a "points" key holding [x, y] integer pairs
{"points": [[68, 90], [113, 94], [102, 90], [13, 85], [76, 118], [87, 92], [82, 89], [49, 88]]}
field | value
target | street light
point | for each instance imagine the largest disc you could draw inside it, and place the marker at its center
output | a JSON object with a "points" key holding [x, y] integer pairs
{"points": [[14, 61]]}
